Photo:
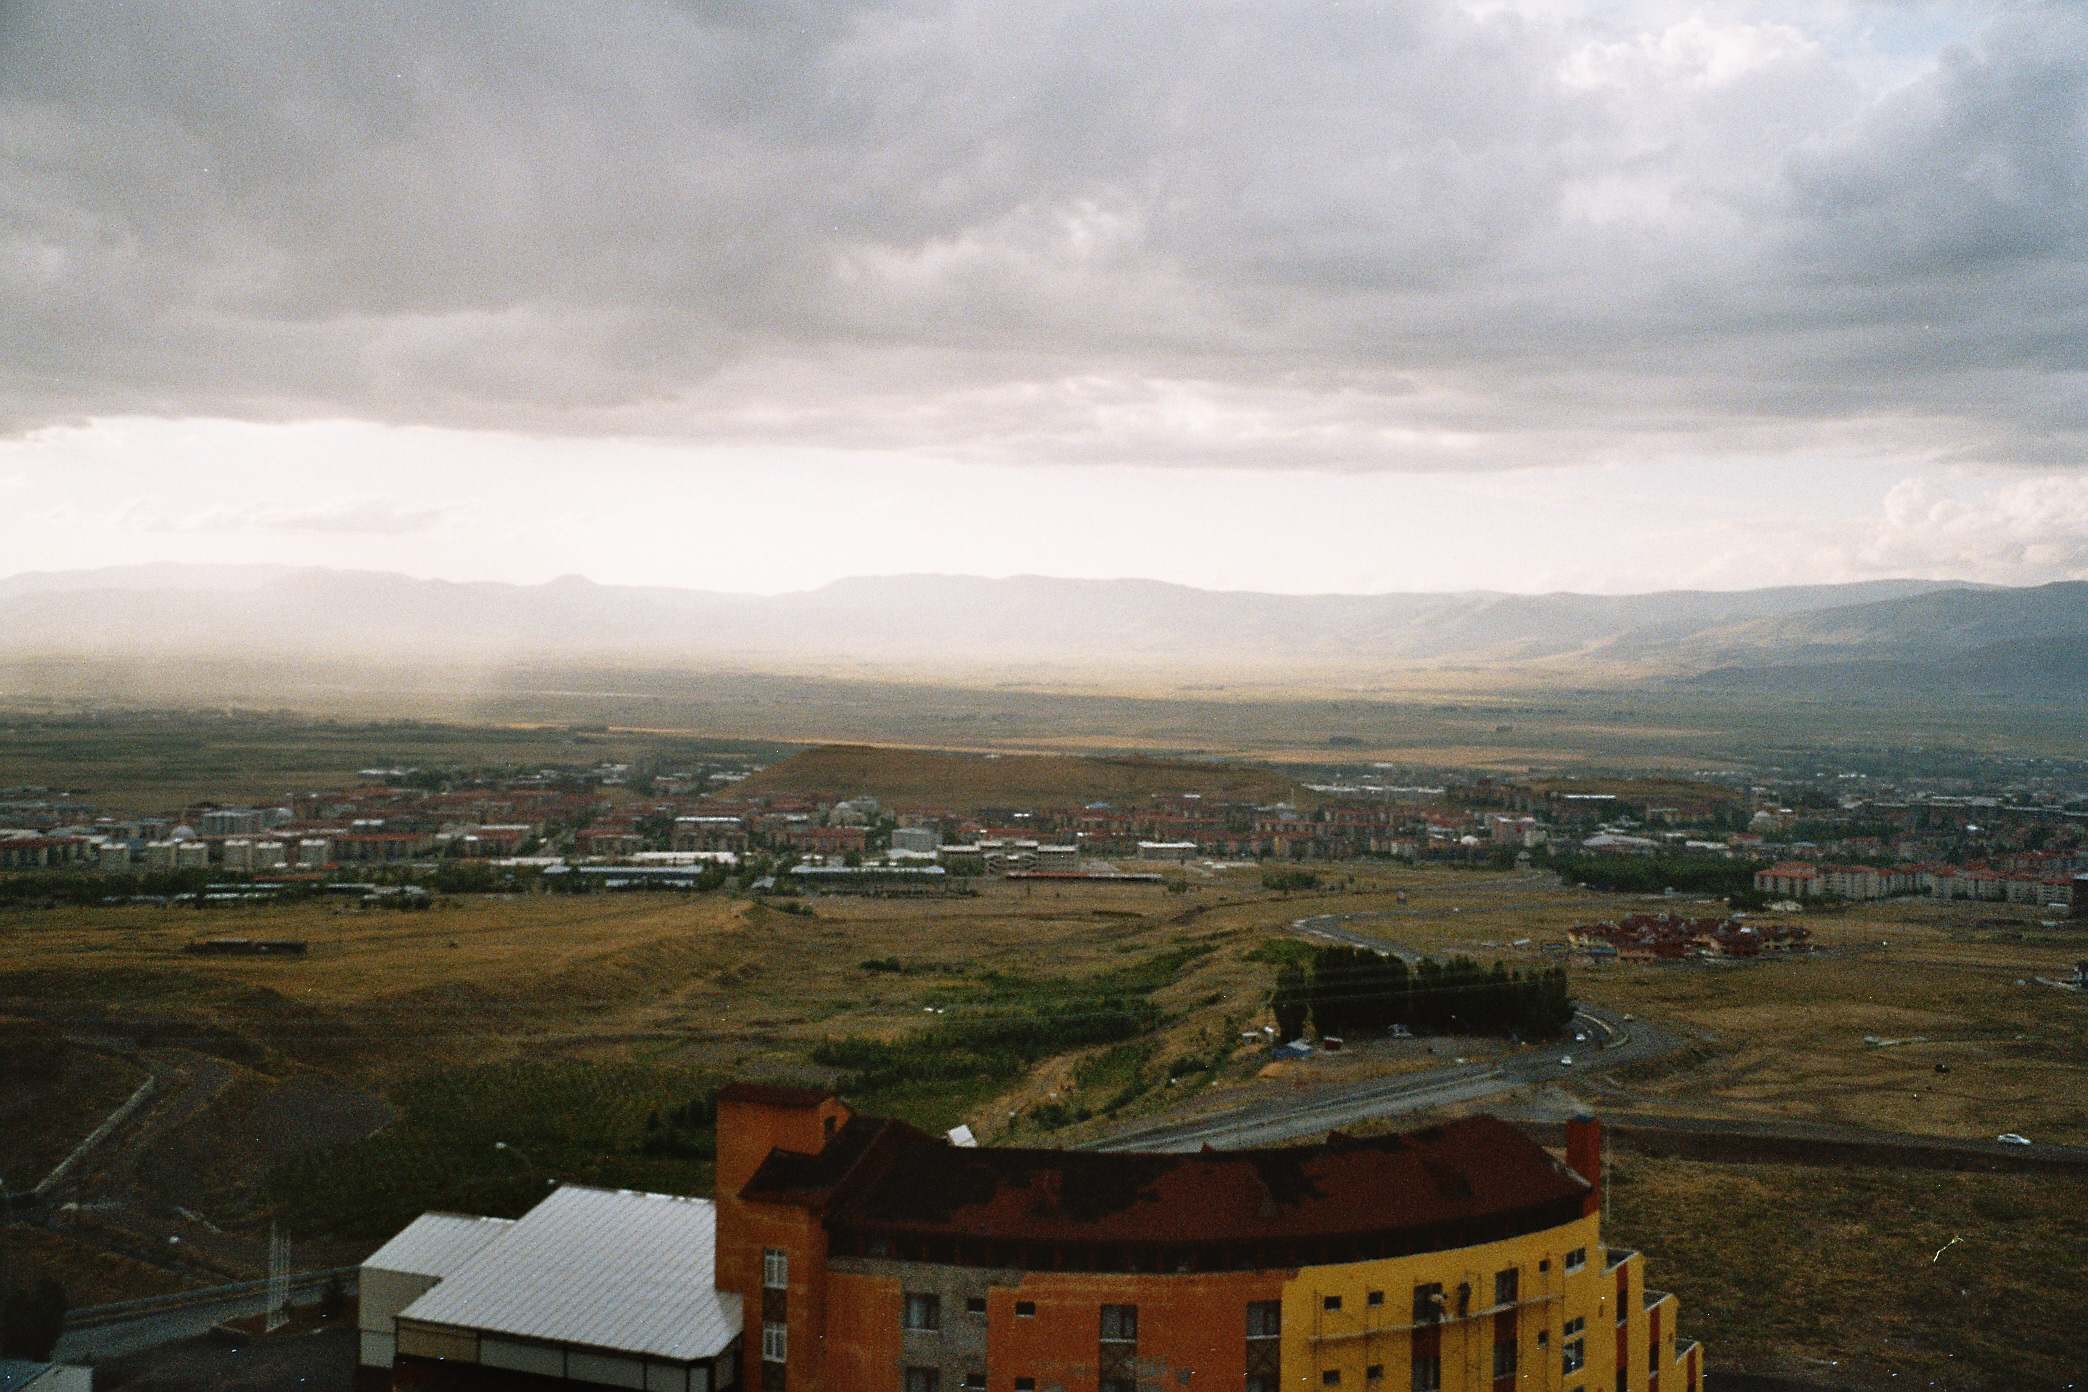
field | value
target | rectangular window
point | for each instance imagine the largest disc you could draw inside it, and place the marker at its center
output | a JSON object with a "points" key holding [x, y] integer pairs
{"points": [[923, 1379], [1119, 1385], [775, 1342], [1428, 1373], [1264, 1319], [775, 1268], [924, 1313], [975, 1304], [1026, 1308], [1504, 1358], [975, 1382], [1330, 1302], [1574, 1355], [1576, 1259], [1428, 1303], [1374, 1373], [1025, 1385], [1120, 1323], [1374, 1298], [1261, 1383], [1575, 1326], [1506, 1286], [1331, 1378]]}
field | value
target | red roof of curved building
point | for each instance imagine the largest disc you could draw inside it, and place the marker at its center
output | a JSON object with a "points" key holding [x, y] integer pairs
{"points": [[884, 1176]]}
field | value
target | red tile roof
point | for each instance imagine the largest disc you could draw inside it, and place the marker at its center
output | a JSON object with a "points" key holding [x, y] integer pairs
{"points": [[884, 1176]]}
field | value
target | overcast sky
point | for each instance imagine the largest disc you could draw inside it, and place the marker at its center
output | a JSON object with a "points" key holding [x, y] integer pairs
{"points": [[752, 294]]}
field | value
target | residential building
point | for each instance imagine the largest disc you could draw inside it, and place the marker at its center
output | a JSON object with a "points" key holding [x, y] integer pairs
{"points": [[848, 1253]]}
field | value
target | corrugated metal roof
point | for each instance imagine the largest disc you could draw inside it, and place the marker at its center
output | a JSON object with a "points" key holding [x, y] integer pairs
{"points": [[435, 1244], [610, 1268], [19, 1373]]}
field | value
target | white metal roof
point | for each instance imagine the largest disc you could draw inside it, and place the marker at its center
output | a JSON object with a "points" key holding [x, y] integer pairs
{"points": [[611, 1268], [435, 1244]]}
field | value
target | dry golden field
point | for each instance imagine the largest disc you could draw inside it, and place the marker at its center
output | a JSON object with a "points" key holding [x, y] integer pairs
{"points": [[727, 985], [710, 987]]}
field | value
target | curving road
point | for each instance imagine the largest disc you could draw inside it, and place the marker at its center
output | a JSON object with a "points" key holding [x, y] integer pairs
{"points": [[1611, 1041]]}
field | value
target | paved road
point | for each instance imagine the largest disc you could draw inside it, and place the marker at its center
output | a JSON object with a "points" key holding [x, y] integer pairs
{"points": [[1611, 1041], [150, 1328]]}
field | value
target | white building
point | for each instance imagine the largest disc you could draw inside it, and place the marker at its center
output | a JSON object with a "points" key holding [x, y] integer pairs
{"points": [[916, 839], [612, 1287]]}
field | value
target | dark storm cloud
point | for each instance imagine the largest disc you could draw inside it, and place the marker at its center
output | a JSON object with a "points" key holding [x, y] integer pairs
{"points": [[1251, 233]]}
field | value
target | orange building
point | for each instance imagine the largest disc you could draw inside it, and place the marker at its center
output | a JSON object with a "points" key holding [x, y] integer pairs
{"points": [[865, 1256]]}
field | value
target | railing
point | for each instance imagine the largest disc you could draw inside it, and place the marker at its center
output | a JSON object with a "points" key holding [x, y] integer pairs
{"points": [[1488, 1312], [302, 1283]]}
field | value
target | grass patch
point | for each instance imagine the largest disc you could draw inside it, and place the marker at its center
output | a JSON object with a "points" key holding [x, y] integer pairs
{"points": [[997, 1028], [1859, 1266], [626, 1126]]}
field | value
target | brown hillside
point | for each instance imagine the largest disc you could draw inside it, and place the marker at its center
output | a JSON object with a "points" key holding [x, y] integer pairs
{"points": [[960, 782]]}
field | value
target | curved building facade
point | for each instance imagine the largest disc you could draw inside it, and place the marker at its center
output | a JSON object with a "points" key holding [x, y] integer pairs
{"points": [[873, 1258], [849, 1253]]}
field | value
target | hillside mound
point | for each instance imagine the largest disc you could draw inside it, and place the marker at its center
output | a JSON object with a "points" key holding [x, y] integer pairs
{"points": [[961, 782]]}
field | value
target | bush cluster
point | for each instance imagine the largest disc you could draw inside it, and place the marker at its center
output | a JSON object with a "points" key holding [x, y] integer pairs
{"points": [[1352, 990]]}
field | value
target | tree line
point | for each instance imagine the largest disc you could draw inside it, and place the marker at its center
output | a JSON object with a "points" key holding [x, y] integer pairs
{"points": [[1354, 991]]}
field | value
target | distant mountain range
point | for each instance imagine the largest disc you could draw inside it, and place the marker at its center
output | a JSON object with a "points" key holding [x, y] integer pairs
{"points": [[1812, 638]]}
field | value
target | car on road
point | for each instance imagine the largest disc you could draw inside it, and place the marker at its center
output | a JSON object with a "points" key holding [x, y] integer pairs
{"points": [[2011, 1138]]}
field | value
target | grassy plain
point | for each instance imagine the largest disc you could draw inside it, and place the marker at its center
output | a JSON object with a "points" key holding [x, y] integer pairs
{"points": [[74, 725], [1866, 1279], [568, 1020]]}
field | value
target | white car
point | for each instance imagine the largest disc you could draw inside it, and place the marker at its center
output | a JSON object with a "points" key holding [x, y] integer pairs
{"points": [[2011, 1138]]}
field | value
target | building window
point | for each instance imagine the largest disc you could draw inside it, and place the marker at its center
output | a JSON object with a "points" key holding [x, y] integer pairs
{"points": [[1025, 1385], [1261, 1383], [975, 1382], [1374, 1298], [1506, 1286], [1264, 1319], [1120, 1323], [1428, 1303], [1504, 1358], [1573, 1349], [775, 1268], [975, 1304], [923, 1379], [1330, 1302], [775, 1342], [1026, 1308], [1576, 1259], [1374, 1373], [924, 1313], [1428, 1373], [1331, 1378], [1119, 1385]]}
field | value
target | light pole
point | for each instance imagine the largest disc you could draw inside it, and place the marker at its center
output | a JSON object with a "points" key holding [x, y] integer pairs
{"points": [[523, 1156]]}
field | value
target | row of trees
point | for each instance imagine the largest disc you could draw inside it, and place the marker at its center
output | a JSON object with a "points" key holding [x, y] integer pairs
{"points": [[1352, 990]]}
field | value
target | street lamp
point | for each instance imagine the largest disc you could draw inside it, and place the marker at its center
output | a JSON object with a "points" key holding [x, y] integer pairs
{"points": [[523, 1156]]}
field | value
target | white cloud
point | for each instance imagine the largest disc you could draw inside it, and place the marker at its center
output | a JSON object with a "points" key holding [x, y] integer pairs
{"points": [[2025, 531]]}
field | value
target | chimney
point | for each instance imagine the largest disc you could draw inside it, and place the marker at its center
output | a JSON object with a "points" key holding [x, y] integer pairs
{"points": [[1584, 1158]]}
